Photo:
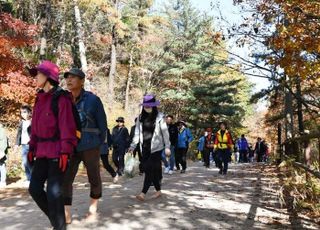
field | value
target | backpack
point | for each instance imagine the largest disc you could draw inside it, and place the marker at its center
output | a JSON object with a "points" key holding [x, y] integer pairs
{"points": [[55, 109]]}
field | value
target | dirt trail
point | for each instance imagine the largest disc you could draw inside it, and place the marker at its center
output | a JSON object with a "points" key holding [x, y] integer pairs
{"points": [[200, 199]]}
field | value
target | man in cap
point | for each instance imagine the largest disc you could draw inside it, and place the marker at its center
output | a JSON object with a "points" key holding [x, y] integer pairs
{"points": [[93, 132], [121, 141]]}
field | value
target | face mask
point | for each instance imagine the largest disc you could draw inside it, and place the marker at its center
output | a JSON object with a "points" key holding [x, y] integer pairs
{"points": [[148, 110]]}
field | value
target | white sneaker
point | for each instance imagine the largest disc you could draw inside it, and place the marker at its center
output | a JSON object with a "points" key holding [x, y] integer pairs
{"points": [[170, 172], [116, 179], [166, 170]]}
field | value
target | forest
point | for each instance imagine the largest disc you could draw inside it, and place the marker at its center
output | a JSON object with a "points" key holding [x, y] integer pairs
{"points": [[128, 48]]}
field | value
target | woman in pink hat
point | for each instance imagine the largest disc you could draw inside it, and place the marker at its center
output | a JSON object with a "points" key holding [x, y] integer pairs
{"points": [[152, 134], [53, 139]]}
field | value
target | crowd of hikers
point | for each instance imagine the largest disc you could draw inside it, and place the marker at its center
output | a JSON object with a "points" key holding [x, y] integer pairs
{"points": [[218, 148], [67, 127]]}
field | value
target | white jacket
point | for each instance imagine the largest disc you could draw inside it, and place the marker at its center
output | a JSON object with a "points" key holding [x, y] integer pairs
{"points": [[3, 140], [160, 139]]}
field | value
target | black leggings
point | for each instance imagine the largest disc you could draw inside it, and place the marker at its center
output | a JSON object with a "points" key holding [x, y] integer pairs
{"points": [[106, 164], [152, 170]]}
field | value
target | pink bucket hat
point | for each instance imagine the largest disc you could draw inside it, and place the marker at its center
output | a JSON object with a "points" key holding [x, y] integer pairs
{"points": [[48, 68]]}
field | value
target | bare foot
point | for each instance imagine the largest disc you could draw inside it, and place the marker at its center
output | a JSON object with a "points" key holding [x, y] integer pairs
{"points": [[141, 197], [91, 217], [156, 195]]}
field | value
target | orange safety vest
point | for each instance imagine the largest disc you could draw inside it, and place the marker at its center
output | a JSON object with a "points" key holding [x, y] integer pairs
{"points": [[223, 142]]}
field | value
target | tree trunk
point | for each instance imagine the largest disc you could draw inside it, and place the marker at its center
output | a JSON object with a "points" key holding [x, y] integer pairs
{"points": [[62, 34], [45, 31], [126, 105], [113, 66], [113, 60], [82, 48], [299, 105]]}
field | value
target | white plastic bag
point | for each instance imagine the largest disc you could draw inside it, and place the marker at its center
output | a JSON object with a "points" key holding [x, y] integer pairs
{"points": [[131, 165]]}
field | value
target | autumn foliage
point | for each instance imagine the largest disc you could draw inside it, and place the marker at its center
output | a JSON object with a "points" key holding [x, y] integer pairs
{"points": [[15, 86]]}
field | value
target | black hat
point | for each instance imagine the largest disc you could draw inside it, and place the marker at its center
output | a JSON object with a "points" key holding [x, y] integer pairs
{"points": [[182, 122], [120, 119], [76, 72]]}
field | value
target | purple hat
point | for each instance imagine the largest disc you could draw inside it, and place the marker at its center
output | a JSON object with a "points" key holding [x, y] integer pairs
{"points": [[48, 68], [149, 100]]}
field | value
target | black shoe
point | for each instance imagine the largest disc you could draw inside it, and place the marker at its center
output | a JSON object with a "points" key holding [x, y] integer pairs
{"points": [[224, 173], [220, 171], [183, 171]]}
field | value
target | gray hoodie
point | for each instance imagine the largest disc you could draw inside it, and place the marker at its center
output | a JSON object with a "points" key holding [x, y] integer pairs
{"points": [[160, 139]]}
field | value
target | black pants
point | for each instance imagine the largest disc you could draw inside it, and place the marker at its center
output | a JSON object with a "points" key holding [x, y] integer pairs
{"points": [[135, 152], [206, 156], [118, 158], [223, 158], [181, 158], [106, 164], [50, 201], [243, 156], [152, 171], [260, 157], [91, 160]]}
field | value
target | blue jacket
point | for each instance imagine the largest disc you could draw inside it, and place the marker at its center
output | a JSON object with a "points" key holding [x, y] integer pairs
{"points": [[93, 121], [201, 143], [184, 138], [242, 144]]}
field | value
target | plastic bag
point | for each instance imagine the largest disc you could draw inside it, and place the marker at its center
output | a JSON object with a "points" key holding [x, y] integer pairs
{"points": [[131, 165]]}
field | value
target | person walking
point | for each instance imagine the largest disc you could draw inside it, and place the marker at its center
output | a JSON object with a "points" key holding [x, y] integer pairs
{"points": [[243, 146], [200, 147], [52, 141], [223, 145], [137, 150], [208, 147], [104, 155], [3, 152], [184, 139], [23, 138], [260, 149], [121, 141], [93, 134], [152, 135], [173, 132]]}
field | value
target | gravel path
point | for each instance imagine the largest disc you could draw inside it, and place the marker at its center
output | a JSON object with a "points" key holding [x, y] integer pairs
{"points": [[246, 198]]}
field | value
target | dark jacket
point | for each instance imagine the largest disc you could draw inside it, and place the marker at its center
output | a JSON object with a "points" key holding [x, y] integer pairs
{"points": [[262, 149], [93, 121], [174, 133], [19, 133], [133, 128], [120, 137]]}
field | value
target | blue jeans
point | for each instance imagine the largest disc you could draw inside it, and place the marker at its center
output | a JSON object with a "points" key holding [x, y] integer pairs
{"points": [[171, 162], [25, 162], [3, 173]]}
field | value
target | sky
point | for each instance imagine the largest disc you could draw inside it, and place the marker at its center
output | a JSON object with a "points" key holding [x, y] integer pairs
{"points": [[232, 14]]}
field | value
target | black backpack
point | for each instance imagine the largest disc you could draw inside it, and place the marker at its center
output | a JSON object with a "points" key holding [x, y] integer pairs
{"points": [[55, 109]]}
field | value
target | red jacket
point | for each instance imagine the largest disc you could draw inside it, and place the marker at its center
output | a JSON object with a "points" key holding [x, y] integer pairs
{"points": [[44, 125]]}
